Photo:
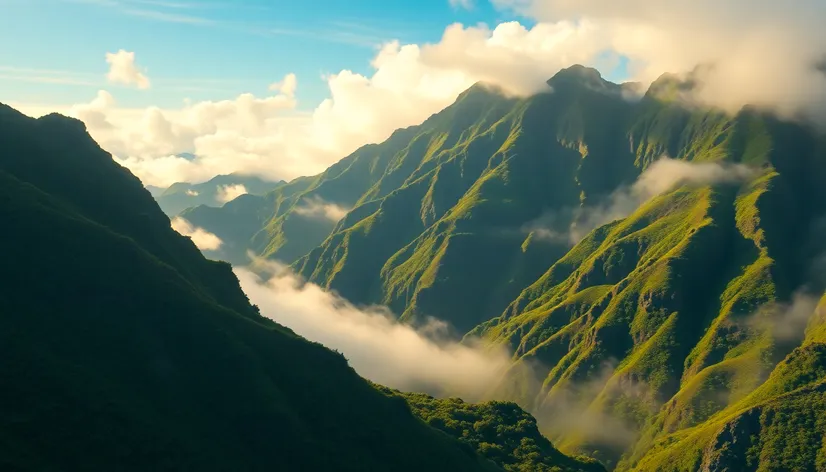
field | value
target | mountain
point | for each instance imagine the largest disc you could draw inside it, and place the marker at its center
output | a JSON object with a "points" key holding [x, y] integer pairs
{"points": [[499, 431], [124, 348], [648, 302], [215, 192]]}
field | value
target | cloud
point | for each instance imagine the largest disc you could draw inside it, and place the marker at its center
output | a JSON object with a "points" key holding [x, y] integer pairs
{"points": [[466, 4], [192, 193], [376, 345], [787, 321], [763, 52], [570, 409], [138, 8], [228, 193], [203, 239], [663, 175], [122, 70], [94, 112], [287, 86], [316, 207], [268, 136]]}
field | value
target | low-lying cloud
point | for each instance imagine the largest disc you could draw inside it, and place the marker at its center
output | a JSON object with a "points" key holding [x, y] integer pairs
{"points": [[663, 175], [569, 409], [317, 208], [787, 321], [202, 238], [228, 193], [376, 345]]}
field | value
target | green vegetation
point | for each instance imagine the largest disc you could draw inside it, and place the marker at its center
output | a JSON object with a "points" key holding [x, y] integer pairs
{"points": [[499, 431], [180, 196], [657, 341], [124, 349]]}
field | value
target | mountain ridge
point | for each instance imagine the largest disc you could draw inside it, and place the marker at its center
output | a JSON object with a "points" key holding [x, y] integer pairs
{"points": [[116, 327], [527, 222]]}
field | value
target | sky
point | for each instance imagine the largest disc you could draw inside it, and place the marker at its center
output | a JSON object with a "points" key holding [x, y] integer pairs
{"points": [[206, 49], [281, 90]]}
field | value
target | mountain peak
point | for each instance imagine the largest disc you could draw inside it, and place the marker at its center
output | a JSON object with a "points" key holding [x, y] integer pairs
{"points": [[579, 75]]}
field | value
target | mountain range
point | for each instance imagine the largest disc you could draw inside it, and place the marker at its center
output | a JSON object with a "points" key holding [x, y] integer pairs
{"points": [[214, 192], [125, 349], [655, 266]]}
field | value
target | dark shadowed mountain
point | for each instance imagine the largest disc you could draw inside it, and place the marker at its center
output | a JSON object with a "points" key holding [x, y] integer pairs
{"points": [[125, 349]]}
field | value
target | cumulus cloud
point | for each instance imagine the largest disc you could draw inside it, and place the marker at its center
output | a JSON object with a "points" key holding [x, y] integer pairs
{"points": [[123, 70], [663, 175], [94, 112], [228, 193], [203, 239], [287, 86], [763, 52], [268, 136], [316, 207], [376, 345]]}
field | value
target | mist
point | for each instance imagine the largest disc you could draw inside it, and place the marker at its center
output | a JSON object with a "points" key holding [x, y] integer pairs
{"points": [[567, 410], [662, 176], [317, 208], [785, 321], [377, 346], [228, 193], [203, 239]]}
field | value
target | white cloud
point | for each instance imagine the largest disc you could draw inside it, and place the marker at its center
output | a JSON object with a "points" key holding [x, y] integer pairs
{"points": [[192, 193], [228, 193], [376, 345], [267, 136], [663, 175], [94, 112], [764, 51], [318, 208], [203, 239], [123, 70], [287, 86]]}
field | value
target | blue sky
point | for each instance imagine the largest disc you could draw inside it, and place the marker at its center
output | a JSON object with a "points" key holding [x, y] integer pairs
{"points": [[53, 50]]}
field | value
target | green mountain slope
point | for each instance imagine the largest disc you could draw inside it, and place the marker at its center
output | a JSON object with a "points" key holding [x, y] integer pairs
{"points": [[779, 426], [123, 348], [499, 431], [495, 215], [655, 323], [180, 196], [425, 202]]}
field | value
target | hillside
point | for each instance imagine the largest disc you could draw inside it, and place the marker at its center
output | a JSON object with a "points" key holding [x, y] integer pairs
{"points": [[125, 349], [214, 193], [465, 182], [643, 299], [499, 431]]}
